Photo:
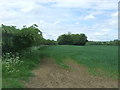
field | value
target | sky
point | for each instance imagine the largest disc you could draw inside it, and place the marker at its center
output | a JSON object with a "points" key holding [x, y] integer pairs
{"points": [[98, 19]]}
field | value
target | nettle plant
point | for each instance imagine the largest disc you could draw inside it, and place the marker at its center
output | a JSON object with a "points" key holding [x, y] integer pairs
{"points": [[10, 62]]}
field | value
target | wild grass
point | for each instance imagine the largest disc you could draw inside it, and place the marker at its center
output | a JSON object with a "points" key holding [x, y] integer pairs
{"points": [[17, 69], [101, 60]]}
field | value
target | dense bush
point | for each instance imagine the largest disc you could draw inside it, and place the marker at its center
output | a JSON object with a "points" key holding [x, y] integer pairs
{"points": [[8, 33], [72, 39], [18, 39], [15, 40], [114, 42], [48, 42]]}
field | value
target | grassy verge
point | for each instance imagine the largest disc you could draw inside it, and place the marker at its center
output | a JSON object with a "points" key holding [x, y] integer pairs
{"points": [[16, 74], [101, 60]]}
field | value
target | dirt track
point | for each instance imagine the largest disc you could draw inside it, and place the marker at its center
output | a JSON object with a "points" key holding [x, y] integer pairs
{"points": [[51, 75]]}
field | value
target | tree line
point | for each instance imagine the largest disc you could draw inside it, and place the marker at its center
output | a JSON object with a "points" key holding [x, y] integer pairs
{"points": [[72, 39], [114, 42], [15, 40]]}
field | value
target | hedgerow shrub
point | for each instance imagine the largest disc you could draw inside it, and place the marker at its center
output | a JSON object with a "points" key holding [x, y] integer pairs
{"points": [[15, 40]]}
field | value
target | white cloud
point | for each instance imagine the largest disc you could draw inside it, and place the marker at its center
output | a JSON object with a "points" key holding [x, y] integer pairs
{"points": [[113, 21], [57, 22], [106, 5], [96, 12], [115, 14], [77, 23], [94, 4], [49, 14], [106, 29], [100, 33], [72, 3], [89, 17]]}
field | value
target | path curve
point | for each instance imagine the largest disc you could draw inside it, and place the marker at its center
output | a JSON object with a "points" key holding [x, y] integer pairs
{"points": [[51, 75]]}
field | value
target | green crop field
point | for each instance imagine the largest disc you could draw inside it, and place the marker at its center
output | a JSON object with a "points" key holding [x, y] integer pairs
{"points": [[103, 58], [96, 58]]}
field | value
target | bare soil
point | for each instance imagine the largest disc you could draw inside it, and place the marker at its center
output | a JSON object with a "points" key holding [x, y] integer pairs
{"points": [[51, 75]]}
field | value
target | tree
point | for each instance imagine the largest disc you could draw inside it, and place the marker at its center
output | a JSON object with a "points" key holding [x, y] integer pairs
{"points": [[72, 39]]}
